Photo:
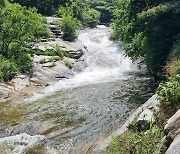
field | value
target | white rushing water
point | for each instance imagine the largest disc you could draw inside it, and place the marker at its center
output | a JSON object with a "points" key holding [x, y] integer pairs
{"points": [[18, 144], [105, 62]]}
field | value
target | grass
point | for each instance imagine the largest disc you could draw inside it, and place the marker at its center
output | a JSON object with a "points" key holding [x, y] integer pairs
{"points": [[51, 59], [56, 51], [138, 142], [68, 64]]}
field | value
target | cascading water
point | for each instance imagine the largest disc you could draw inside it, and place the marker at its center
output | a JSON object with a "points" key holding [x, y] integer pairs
{"points": [[105, 62], [72, 114]]}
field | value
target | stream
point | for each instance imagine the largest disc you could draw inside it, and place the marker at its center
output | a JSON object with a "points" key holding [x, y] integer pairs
{"points": [[72, 114]]}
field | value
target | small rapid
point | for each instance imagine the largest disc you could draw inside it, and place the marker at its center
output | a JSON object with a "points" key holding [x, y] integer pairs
{"points": [[71, 115]]}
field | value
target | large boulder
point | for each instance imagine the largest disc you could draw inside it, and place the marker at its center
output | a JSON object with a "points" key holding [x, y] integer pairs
{"points": [[144, 119], [172, 128], [174, 147]]}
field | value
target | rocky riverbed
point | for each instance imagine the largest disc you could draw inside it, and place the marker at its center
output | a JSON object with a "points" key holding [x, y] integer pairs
{"points": [[42, 75]]}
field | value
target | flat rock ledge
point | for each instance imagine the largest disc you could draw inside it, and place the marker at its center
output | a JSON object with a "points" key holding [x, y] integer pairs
{"points": [[42, 75]]}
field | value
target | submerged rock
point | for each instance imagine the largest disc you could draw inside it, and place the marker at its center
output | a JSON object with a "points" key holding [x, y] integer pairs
{"points": [[19, 143]]}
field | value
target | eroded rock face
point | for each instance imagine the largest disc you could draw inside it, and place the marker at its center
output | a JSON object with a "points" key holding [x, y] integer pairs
{"points": [[172, 128], [52, 71]]}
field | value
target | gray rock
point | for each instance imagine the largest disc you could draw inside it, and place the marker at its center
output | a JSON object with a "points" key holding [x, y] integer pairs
{"points": [[76, 54], [52, 19], [144, 119], [64, 76], [3, 95], [54, 26], [174, 147], [5, 92], [20, 82], [50, 64], [172, 128]]}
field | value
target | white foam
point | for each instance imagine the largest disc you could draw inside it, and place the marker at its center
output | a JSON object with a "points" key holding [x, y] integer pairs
{"points": [[18, 144], [105, 61]]}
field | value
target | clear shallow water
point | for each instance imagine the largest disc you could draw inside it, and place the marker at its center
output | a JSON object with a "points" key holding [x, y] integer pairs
{"points": [[65, 117]]}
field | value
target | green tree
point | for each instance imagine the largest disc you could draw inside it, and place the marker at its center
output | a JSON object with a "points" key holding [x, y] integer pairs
{"points": [[68, 23], [148, 30], [19, 27], [2, 3], [91, 17]]}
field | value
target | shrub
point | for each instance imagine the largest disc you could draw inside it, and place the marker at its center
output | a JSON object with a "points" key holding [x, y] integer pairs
{"points": [[60, 52], [68, 23], [51, 59], [137, 142], [173, 67], [91, 18], [43, 61], [24, 62], [8, 69], [18, 28], [54, 59], [169, 92]]}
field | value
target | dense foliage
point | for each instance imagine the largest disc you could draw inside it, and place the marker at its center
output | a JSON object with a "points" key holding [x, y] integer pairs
{"points": [[91, 17], [74, 14], [18, 28], [82, 11], [169, 91], [148, 29], [105, 7], [68, 23], [46, 7]]}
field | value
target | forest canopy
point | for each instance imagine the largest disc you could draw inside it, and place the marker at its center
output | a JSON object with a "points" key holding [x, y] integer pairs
{"points": [[149, 30]]}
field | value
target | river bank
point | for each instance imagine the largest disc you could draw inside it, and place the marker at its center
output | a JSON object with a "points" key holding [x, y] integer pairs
{"points": [[48, 73]]}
